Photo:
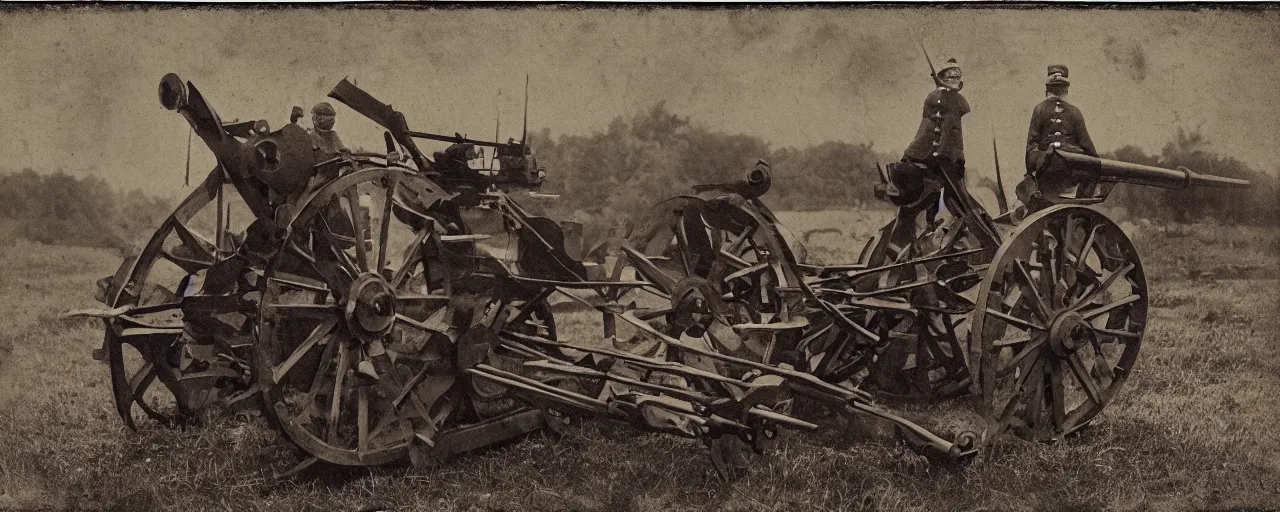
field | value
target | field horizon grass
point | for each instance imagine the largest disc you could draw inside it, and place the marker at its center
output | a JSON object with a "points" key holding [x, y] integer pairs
{"points": [[1193, 429]]}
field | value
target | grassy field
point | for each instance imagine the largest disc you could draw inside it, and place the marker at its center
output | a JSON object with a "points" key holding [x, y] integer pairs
{"points": [[1194, 429]]}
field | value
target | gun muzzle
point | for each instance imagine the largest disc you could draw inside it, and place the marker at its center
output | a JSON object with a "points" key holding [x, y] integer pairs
{"points": [[1115, 171], [173, 93]]}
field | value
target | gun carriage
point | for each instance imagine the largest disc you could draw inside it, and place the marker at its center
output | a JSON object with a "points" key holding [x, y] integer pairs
{"points": [[364, 316]]}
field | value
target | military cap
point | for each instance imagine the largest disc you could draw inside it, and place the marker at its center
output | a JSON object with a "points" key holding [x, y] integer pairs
{"points": [[1057, 75], [949, 64], [323, 109]]}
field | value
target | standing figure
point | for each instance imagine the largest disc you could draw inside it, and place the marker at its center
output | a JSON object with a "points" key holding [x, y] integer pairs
{"points": [[939, 141], [1055, 124], [936, 155]]}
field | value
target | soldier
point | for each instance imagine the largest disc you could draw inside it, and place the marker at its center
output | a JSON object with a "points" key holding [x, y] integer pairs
{"points": [[1055, 124], [323, 138], [938, 147]]}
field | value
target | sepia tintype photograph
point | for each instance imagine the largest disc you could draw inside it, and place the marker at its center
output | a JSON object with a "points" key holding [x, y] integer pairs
{"points": [[639, 257]]}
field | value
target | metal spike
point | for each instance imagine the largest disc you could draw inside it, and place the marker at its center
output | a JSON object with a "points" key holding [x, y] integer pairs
{"points": [[524, 133], [186, 182], [1004, 203]]}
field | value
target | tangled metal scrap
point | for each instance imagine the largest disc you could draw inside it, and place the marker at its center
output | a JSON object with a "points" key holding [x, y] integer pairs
{"points": [[369, 323]]}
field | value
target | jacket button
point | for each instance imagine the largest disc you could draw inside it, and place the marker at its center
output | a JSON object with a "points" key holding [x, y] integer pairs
{"points": [[935, 153], [935, 143], [937, 130]]}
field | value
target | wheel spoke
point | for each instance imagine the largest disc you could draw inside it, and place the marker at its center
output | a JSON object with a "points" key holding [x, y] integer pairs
{"points": [[410, 259], [405, 208], [321, 311], [344, 259], [1021, 338], [299, 283], [362, 420], [406, 299], [335, 402], [1023, 324], [438, 329], [358, 223], [1115, 333], [1086, 381], [1057, 395], [300, 252], [202, 249], [384, 229], [1032, 350], [1095, 313], [1048, 268], [1106, 283], [1035, 403], [738, 239], [682, 241], [1041, 307], [1100, 362], [321, 332], [1084, 249], [317, 380], [1020, 387]]}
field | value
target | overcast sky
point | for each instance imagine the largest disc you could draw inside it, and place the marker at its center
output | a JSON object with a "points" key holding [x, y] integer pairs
{"points": [[78, 87]]}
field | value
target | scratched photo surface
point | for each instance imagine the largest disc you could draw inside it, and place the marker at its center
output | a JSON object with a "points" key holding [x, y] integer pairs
{"points": [[570, 127]]}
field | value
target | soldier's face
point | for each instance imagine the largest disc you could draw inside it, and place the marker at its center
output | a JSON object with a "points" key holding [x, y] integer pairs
{"points": [[951, 78], [323, 122]]}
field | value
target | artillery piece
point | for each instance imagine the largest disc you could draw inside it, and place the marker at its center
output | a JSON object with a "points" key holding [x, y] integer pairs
{"points": [[1038, 319], [359, 312]]}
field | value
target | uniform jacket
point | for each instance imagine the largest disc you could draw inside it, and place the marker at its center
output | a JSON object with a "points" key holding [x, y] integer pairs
{"points": [[940, 135], [1055, 120], [327, 142]]}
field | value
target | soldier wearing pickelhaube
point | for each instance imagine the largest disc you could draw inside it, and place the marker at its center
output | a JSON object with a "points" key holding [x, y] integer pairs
{"points": [[1055, 125], [939, 140], [938, 146]]}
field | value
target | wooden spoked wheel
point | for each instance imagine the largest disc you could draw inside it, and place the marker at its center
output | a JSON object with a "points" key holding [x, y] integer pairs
{"points": [[361, 316], [921, 356], [725, 268], [1059, 323], [148, 355]]}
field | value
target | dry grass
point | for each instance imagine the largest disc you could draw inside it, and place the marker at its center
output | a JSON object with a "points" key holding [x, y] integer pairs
{"points": [[1194, 428]]}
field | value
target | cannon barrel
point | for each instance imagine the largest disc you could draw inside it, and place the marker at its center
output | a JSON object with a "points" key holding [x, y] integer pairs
{"points": [[1115, 171]]}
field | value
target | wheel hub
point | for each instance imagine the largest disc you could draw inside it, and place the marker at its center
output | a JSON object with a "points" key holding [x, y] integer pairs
{"points": [[690, 300], [1068, 332], [370, 310]]}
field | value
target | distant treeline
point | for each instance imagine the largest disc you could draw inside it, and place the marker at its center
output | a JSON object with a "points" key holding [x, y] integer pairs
{"points": [[61, 209], [613, 174], [609, 178]]}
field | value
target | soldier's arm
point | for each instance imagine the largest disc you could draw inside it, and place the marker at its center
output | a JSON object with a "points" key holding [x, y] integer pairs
{"points": [[1033, 133], [930, 100], [338, 145], [1086, 143]]}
